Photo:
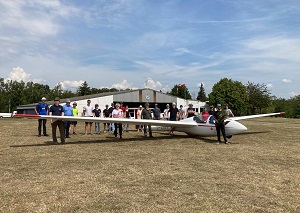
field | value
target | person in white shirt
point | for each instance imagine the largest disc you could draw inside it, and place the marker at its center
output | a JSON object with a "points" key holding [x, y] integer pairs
{"points": [[139, 116], [166, 113], [228, 111], [88, 111], [118, 113]]}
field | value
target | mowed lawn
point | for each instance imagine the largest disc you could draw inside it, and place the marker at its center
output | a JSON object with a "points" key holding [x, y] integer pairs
{"points": [[258, 172]]}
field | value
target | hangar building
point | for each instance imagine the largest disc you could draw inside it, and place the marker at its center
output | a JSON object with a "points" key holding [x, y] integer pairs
{"points": [[132, 98]]}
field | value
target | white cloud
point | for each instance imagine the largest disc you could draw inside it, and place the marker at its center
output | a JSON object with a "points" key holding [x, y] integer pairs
{"points": [[150, 83], [287, 81], [18, 74], [181, 51], [123, 85], [71, 84], [293, 94], [269, 86]]}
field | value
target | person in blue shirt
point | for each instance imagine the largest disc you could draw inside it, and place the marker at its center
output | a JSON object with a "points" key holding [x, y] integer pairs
{"points": [[42, 109], [68, 110], [57, 110]]}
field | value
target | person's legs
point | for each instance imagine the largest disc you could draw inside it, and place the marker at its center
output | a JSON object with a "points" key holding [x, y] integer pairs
{"points": [[223, 132], [40, 126], [67, 128], [116, 130], [120, 130], [61, 131], [86, 126], [218, 132], [91, 124], [54, 125], [150, 131], [44, 127], [145, 130]]}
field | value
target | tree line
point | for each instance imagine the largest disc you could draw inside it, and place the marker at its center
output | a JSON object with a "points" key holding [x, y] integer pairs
{"points": [[243, 99]]}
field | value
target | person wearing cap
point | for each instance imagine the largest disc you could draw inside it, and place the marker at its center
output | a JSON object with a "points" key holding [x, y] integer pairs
{"points": [[146, 114], [68, 111], [57, 110], [190, 112], [156, 112], [139, 116], [75, 114], [88, 111], [42, 109], [106, 114], [98, 114], [220, 117], [166, 112]]}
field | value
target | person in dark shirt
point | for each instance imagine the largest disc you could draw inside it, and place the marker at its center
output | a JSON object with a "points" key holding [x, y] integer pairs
{"points": [[42, 109], [97, 112], [57, 110], [220, 117], [111, 127], [146, 114], [211, 110], [106, 114], [174, 114], [190, 112], [156, 112]]}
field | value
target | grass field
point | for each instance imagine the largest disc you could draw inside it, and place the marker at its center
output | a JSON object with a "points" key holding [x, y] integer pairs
{"points": [[258, 172]]}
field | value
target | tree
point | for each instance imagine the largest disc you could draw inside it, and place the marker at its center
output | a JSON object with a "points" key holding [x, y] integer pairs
{"points": [[84, 89], [180, 91], [259, 97], [201, 94], [232, 93]]}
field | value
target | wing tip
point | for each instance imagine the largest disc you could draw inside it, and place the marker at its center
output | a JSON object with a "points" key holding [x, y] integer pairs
{"points": [[281, 113]]}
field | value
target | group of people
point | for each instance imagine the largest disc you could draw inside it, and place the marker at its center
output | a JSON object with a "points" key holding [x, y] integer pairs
{"points": [[119, 111]]}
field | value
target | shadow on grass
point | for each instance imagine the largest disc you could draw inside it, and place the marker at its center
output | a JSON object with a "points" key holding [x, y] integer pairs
{"points": [[106, 140], [253, 133]]}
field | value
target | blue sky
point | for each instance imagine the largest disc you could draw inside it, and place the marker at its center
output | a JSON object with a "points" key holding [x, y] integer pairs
{"points": [[138, 43]]}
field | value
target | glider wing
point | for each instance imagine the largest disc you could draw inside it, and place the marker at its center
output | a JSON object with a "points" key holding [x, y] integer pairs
{"points": [[182, 123], [254, 116]]}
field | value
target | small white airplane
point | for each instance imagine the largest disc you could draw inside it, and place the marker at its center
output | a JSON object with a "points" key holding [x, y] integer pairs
{"points": [[192, 126]]}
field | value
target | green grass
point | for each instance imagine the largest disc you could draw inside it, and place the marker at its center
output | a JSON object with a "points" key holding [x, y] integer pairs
{"points": [[258, 172]]}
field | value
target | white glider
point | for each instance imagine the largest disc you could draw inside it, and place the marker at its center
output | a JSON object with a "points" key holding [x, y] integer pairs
{"points": [[192, 126]]}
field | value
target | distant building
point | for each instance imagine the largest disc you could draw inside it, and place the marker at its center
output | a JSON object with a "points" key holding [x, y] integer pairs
{"points": [[132, 98]]}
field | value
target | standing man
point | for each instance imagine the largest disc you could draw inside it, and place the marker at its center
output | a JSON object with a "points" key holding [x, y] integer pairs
{"points": [[42, 109], [68, 111], [228, 112], [97, 112], [57, 110], [220, 117], [190, 111], [156, 112], [118, 113], [146, 114], [174, 114], [139, 116], [88, 112], [111, 127], [106, 114], [166, 112]]}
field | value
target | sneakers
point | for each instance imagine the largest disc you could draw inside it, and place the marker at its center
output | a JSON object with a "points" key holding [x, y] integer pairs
{"points": [[226, 142], [39, 135], [46, 135], [63, 142], [55, 143]]}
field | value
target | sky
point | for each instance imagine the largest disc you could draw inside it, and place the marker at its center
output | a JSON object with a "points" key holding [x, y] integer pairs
{"points": [[152, 43]]}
